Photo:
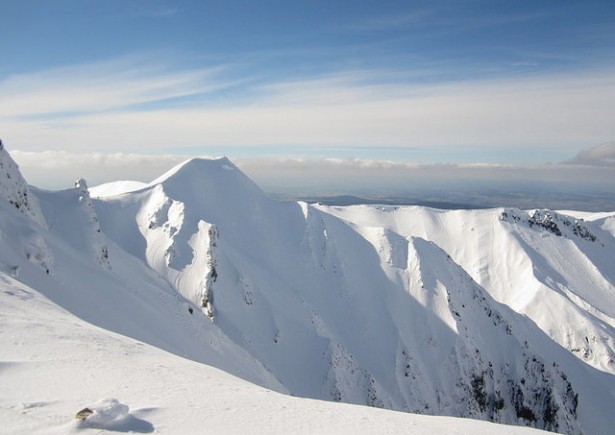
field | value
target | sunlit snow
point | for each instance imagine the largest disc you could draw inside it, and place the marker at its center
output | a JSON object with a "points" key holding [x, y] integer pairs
{"points": [[195, 304]]}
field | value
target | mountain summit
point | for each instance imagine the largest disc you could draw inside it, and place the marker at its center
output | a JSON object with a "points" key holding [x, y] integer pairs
{"points": [[207, 179]]}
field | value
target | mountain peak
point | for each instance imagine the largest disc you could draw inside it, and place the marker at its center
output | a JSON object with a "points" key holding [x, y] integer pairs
{"points": [[207, 178], [196, 166]]}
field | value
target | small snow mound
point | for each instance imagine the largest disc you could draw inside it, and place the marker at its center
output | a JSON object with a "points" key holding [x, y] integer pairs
{"points": [[102, 413]]}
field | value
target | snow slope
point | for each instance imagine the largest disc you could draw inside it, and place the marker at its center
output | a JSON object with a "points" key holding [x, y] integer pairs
{"points": [[564, 283], [55, 364], [116, 188], [501, 315]]}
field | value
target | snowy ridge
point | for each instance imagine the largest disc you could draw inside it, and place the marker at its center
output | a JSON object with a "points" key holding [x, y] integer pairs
{"points": [[100, 248], [563, 283], [510, 376], [15, 190], [487, 314], [116, 188]]}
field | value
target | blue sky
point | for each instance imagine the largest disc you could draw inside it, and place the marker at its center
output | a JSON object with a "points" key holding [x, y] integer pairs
{"points": [[503, 82]]}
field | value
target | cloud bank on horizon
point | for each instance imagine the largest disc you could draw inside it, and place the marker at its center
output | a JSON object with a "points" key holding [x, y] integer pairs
{"points": [[600, 155], [590, 171]]}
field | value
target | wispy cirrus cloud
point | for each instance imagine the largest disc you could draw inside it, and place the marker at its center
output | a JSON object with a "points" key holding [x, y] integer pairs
{"points": [[420, 17], [438, 18], [92, 88], [128, 105]]}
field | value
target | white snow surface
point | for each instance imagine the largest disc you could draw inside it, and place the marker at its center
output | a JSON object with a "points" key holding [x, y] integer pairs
{"points": [[116, 188], [144, 295], [55, 364]]}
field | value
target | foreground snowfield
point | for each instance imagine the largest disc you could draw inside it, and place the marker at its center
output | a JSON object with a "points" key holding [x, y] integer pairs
{"points": [[144, 292], [54, 364]]}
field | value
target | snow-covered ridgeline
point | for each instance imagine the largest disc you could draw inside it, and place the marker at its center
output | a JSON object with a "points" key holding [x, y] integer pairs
{"points": [[407, 308], [563, 282], [100, 248], [15, 190]]}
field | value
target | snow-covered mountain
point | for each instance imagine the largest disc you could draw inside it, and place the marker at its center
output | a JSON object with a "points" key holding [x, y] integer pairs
{"points": [[501, 315]]}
